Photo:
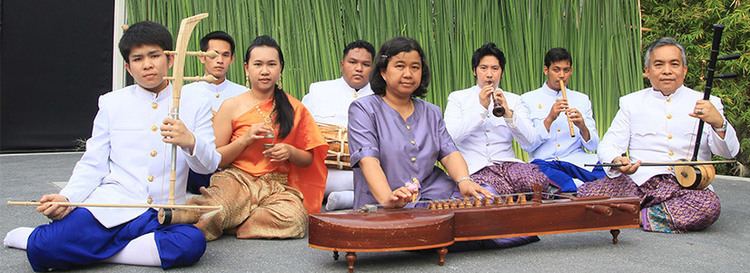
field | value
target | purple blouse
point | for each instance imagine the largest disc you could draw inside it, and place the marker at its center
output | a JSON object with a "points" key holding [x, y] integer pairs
{"points": [[406, 150]]}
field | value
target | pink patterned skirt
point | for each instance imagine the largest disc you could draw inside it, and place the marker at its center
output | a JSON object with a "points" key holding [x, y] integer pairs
{"points": [[511, 177], [666, 207]]}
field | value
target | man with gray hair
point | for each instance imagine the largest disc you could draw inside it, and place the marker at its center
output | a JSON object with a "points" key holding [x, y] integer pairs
{"points": [[659, 124]]}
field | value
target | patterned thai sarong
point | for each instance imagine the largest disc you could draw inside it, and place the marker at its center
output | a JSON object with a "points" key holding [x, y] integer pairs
{"points": [[511, 177], [666, 207], [254, 207]]}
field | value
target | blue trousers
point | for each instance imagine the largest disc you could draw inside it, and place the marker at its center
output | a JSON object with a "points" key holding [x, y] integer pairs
{"points": [[79, 239], [196, 181], [562, 173]]}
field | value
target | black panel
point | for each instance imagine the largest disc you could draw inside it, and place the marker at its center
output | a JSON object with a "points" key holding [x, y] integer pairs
{"points": [[55, 61]]}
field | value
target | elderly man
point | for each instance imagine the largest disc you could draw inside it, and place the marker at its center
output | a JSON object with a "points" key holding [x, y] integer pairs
{"points": [[659, 124], [328, 101]]}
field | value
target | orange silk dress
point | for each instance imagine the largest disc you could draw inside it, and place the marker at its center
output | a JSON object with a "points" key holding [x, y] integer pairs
{"points": [[305, 135]]}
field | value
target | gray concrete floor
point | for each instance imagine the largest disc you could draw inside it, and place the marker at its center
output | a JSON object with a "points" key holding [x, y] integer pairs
{"points": [[723, 247]]}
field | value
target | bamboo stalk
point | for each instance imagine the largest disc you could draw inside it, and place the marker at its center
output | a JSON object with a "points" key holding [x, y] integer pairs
{"points": [[602, 36]]}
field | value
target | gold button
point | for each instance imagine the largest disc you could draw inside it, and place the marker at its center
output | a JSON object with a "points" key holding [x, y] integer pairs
{"points": [[539, 106], [153, 153], [413, 159], [558, 145], [669, 116], [413, 142], [558, 130], [669, 136], [150, 178], [217, 95], [149, 200], [669, 99], [154, 105], [154, 128], [415, 180], [408, 127], [671, 153]]}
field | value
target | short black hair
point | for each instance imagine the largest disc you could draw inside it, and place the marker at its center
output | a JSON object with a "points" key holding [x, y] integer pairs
{"points": [[557, 54], [144, 33], [359, 44], [217, 35], [392, 48], [487, 49]]}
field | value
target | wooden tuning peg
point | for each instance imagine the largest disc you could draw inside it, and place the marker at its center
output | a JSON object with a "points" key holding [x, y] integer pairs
{"points": [[510, 200], [210, 54], [522, 199], [207, 78]]}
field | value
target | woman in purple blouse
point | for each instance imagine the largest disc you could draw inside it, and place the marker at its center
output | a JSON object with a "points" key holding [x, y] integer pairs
{"points": [[395, 138]]}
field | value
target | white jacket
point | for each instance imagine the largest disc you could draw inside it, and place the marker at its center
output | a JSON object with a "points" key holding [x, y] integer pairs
{"points": [[126, 160]]}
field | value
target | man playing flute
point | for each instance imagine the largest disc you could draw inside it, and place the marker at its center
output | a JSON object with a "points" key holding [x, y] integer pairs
{"points": [[560, 149]]}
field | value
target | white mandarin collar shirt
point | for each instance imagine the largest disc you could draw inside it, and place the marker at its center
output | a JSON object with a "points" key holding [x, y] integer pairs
{"points": [[328, 101], [556, 144], [654, 127], [126, 161], [482, 138], [215, 93]]}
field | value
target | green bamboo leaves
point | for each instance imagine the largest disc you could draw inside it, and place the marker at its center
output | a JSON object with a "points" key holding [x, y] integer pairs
{"points": [[603, 37]]}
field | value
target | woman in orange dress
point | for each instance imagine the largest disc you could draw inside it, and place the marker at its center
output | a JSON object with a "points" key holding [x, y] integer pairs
{"points": [[269, 143]]}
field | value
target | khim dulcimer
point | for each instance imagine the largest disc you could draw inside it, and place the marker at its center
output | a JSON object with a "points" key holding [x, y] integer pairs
{"points": [[439, 224]]}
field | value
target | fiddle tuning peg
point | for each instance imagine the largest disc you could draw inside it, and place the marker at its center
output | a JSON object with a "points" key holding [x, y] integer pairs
{"points": [[477, 202], [733, 56], [522, 199], [726, 76], [210, 54], [510, 200], [207, 78]]}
